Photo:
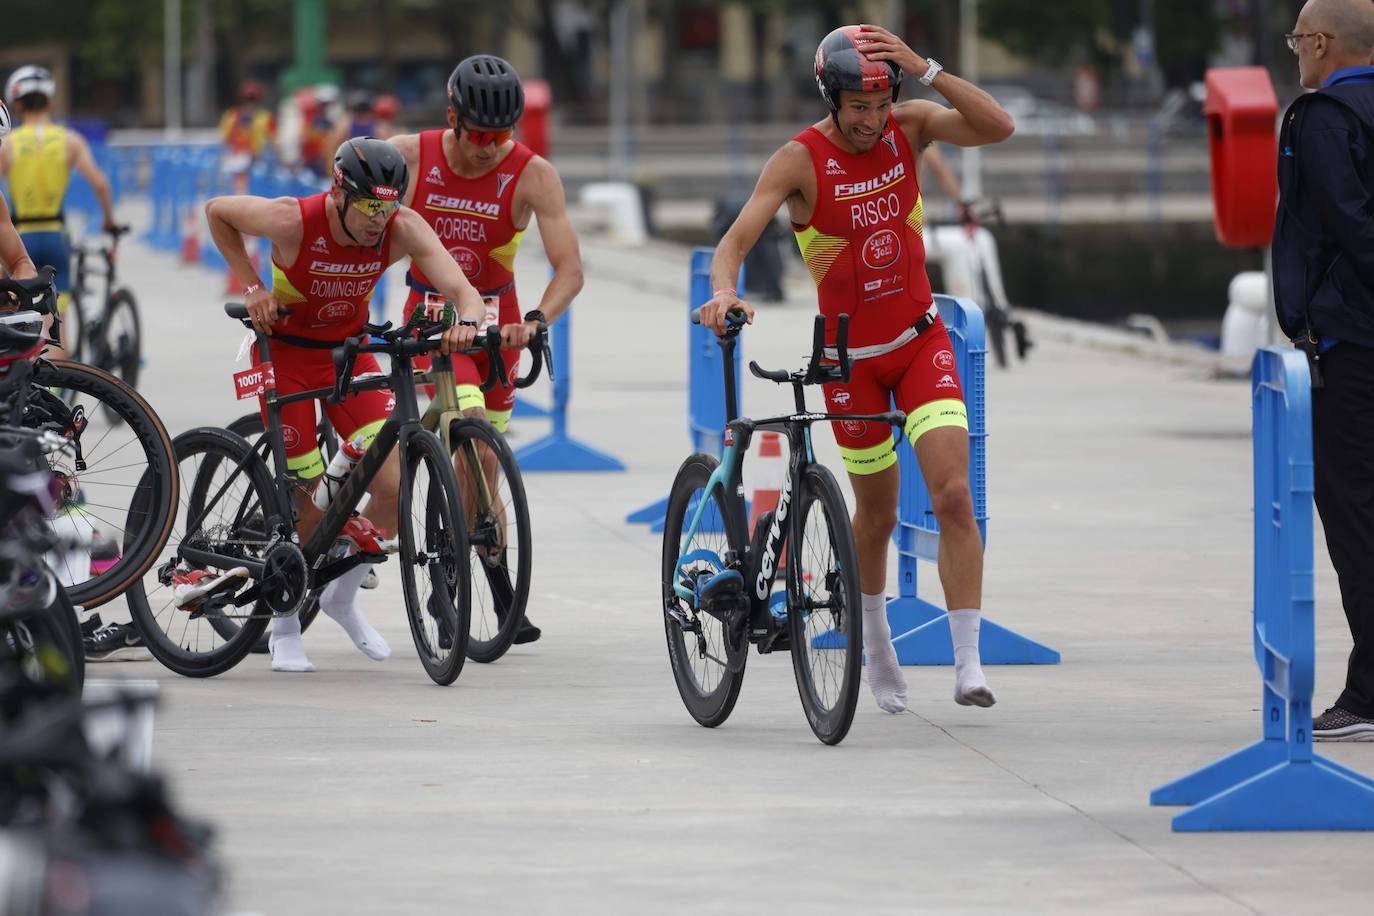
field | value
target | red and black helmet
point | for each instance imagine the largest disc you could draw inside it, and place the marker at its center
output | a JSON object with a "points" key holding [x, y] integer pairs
{"points": [[841, 64]]}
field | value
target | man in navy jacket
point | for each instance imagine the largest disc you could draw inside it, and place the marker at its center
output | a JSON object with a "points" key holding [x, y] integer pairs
{"points": [[1323, 259]]}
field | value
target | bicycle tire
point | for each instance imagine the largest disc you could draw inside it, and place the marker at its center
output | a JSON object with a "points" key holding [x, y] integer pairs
{"points": [[63, 614], [441, 547], [224, 531], [122, 355], [147, 522], [250, 427], [496, 594], [709, 700], [74, 328], [816, 636]]}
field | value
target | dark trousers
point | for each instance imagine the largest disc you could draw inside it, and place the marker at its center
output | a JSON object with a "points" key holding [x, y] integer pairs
{"points": [[1343, 463]]}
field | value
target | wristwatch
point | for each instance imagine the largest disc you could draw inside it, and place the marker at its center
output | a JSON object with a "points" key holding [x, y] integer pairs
{"points": [[536, 315], [467, 322], [934, 71]]}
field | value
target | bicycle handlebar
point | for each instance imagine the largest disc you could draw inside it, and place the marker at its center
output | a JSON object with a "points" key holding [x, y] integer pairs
{"points": [[818, 371], [735, 320]]}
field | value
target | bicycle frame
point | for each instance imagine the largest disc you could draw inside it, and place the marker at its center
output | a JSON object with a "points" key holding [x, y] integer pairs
{"points": [[760, 572], [398, 429]]}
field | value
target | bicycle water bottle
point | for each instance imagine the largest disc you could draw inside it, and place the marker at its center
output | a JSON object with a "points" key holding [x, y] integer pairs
{"points": [[334, 475]]}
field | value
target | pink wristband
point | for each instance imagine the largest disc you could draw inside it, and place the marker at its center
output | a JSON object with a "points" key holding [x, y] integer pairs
{"points": [[725, 289]]}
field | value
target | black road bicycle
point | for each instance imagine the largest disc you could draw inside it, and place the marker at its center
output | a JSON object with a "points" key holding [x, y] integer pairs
{"points": [[104, 332], [244, 529], [489, 480], [718, 582]]}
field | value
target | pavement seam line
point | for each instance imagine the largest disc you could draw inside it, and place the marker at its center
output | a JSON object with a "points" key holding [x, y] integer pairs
{"points": [[1084, 814]]}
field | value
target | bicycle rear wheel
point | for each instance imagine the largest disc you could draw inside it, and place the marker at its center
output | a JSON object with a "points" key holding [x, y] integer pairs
{"points": [[232, 524], [498, 522], [827, 630], [707, 658], [121, 350], [435, 573], [124, 489]]}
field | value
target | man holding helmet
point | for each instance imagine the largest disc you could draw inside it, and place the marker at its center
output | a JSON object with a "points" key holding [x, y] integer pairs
{"points": [[478, 187], [850, 185]]}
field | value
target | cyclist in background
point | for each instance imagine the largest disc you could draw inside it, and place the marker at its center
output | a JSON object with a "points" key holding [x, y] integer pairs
{"points": [[14, 258], [38, 160], [478, 187]]}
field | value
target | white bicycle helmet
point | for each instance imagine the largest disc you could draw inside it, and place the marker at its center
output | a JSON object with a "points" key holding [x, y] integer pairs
{"points": [[4, 119], [28, 80]]}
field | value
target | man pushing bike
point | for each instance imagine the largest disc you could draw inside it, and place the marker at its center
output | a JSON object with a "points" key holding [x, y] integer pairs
{"points": [[851, 187], [327, 252]]}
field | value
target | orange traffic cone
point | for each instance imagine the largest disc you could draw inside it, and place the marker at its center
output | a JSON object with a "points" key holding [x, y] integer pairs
{"points": [[190, 237], [770, 472]]}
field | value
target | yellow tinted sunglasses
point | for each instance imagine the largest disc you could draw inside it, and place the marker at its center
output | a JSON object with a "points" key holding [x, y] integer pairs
{"points": [[371, 206]]}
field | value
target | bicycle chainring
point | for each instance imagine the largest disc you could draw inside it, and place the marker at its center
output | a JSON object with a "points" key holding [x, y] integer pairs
{"points": [[285, 582]]}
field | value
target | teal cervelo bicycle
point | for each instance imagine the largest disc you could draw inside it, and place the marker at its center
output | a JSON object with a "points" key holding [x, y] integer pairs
{"points": [[718, 582]]}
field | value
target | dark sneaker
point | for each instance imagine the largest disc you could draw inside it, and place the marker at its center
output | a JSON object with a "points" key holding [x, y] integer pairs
{"points": [[1337, 724], [528, 632], [115, 642], [90, 625]]}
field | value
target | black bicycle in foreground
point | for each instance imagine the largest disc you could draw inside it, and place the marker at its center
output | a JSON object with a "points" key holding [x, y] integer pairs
{"points": [[238, 524], [718, 582]]}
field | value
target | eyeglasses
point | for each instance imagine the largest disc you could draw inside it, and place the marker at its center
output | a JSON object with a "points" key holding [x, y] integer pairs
{"points": [[1294, 37], [371, 207], [487, 137]]}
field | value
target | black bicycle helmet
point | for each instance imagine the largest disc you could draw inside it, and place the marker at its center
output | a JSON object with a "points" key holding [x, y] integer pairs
{"points": [[368, 167], [841, 64], [486, 93], [4, 119]]}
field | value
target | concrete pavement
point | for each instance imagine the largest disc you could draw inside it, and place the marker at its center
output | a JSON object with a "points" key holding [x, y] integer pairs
{"points": [[567, 778]]}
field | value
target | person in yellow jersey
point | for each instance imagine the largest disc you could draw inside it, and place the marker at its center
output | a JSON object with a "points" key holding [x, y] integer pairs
{"points": [[14, 258], [38, 160], [248, 127]]}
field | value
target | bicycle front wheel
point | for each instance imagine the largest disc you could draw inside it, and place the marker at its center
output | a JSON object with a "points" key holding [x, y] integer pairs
{"points": [[498, 522], [435, 573], [827, 629], [123, 491], [707, 652], [230, 521]]}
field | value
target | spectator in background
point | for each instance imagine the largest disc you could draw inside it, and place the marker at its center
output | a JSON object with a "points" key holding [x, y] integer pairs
{"points": [[358, 121], [385, 111], [248, 128], [317, 128], [1323, 256]]}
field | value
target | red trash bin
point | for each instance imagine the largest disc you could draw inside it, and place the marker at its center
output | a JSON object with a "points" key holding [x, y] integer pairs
{"points": [[1242, 129]]}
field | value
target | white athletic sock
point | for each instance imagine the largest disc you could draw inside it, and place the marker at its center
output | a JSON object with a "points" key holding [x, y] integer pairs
{"points": [[970, 685], [884, 671], [284, 642], [339, 601]]}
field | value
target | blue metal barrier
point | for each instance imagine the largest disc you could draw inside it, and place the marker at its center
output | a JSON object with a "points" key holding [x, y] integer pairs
{"points": [[558, 451], [1278, 783], [923, 627], [705, 382]]}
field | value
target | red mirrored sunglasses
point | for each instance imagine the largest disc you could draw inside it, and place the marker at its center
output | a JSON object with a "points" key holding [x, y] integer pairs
{"points": [[488, 137]]}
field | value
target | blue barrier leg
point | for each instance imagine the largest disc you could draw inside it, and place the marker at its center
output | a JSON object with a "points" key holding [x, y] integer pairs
{"points": [[1313, 795], [928, 643], [524, 408], [558, 451], [1278, 783], [654, 512]]}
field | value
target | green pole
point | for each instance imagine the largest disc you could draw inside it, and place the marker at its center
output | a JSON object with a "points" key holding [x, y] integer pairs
{"points": [[310, 34]]}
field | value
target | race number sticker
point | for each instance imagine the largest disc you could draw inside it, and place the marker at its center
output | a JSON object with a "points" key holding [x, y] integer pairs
{"points": [[251, 383]]}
